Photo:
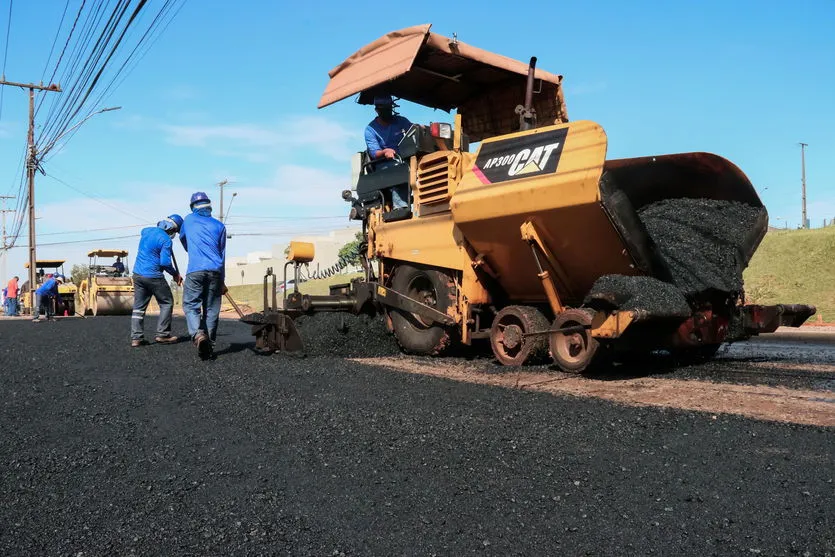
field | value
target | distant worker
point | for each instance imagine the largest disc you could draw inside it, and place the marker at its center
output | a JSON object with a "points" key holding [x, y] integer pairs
{"points": [[382, 137], [119, 267], [46, 296], [154, 256], [204, 238], [12, 291]]}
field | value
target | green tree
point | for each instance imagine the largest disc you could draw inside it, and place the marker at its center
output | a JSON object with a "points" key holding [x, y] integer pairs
{"points": [[350, 252], [78, 273]]}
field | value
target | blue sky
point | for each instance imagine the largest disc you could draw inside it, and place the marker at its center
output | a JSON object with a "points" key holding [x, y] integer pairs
{"points": [[231, 88]]}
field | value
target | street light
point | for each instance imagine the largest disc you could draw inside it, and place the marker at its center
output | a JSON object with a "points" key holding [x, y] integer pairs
{"points": [[226, 216], [49, 147]]}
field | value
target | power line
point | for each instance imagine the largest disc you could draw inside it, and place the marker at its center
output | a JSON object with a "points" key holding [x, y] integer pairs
{"points": [[97, 199], [54, 42], [6, 54]]}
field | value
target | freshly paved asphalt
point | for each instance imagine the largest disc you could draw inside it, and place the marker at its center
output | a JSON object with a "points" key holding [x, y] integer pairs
{"points": [[109, 450]]}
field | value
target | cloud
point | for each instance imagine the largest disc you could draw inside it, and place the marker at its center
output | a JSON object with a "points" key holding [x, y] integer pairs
{"points": [[179, 93], [260, 143]]}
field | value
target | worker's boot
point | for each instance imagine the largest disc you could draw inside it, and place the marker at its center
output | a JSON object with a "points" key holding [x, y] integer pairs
{"points": [[203, 344], [166, 340], [137, 342]]}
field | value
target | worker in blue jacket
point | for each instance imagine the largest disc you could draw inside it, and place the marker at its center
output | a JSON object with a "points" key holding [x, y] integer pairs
{"points": [[154, 257], [204, 238], [45, 297]]}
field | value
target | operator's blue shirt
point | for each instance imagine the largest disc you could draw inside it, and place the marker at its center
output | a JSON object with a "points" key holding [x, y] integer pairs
{"points": [[378, 136], [204, 238], [48, 288], [154, 254]]}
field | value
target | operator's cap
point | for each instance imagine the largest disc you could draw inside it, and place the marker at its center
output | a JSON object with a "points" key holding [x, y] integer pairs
{"points": [[59, 278], [383, 100]]}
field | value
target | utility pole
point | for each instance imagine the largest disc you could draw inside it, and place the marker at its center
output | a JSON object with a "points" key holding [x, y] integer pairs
{"points": [[5, 247], [220, 185], [803, 181], [31, 167]]}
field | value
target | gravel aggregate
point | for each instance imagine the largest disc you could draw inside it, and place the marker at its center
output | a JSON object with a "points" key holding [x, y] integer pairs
{"points": [[701, 241], [660, 298], [109, 450], [346, 335]]}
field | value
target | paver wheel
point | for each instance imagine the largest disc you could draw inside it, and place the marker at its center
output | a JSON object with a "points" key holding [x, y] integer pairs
{"points": [[429, 286], [576, 350], [508, 335]]}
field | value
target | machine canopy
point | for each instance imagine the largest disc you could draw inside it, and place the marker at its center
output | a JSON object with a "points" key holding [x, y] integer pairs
{"points": [[443, 73]]}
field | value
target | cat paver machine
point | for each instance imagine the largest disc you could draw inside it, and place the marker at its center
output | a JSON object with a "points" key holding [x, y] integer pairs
{"points": [[506, 240]]}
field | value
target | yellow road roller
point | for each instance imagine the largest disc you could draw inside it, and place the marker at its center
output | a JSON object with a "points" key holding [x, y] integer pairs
{"points": [[66, 291], [531, 240], [108, 288]]}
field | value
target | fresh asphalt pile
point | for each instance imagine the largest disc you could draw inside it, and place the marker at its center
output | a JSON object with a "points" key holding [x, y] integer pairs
{"points": [[701, 242], [346, 335], [659, 298], [109, 450]]}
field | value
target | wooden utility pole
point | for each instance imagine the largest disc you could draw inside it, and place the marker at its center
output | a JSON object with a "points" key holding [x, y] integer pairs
{"points": [[220, 185], [803, 181], [5, 247], [31, 167]]}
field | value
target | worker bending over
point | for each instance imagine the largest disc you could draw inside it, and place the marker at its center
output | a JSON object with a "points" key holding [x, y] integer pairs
{"points": [[45, 297], [204, 238], [153, 258]]}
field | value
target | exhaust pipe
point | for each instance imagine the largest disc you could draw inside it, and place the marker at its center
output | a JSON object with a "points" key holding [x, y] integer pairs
{"points": [[527, 115]]}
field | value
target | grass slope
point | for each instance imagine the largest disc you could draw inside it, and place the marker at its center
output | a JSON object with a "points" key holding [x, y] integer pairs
{"points": [[795, 266], [252, 294]]}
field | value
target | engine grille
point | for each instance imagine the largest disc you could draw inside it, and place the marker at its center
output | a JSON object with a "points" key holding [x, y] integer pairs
{"points": [[436, 173]]}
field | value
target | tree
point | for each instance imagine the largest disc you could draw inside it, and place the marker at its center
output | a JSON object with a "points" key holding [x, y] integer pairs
{"points": [[350, 252], [77, 274]]}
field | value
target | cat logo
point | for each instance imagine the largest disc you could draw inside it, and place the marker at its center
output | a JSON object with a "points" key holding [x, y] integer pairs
{"points": [[520, 157]]}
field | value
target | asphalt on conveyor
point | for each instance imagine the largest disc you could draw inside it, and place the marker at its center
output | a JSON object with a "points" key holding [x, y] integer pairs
{"points": [[111, 450]]}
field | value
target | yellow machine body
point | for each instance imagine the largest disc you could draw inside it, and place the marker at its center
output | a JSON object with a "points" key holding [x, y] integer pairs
{"points": [[67, 291], [104, 291]]}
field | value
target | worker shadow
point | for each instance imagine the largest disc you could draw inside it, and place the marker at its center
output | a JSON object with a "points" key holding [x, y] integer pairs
{"points": [[234, 348]]}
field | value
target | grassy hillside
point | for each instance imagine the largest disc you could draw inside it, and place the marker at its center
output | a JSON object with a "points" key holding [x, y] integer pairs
{"points": [[795, 266]]}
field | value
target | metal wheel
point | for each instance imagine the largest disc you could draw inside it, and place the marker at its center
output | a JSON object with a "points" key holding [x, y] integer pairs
{"points": [[507, 335], [573, 351]]}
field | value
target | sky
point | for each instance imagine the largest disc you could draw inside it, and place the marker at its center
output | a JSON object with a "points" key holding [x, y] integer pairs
{"points": [[230, 91]]}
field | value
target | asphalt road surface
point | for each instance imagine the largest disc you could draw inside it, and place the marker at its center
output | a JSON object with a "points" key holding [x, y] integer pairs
{"points": [[109, 450]]}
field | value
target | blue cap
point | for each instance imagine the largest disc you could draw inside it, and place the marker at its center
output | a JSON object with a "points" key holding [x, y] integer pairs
{"points": [[200, 199], [383, 100]]}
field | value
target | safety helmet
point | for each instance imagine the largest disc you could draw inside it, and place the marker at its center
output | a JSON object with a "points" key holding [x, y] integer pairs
{"points": [[200, 199], [177, 219], [383, 100]]}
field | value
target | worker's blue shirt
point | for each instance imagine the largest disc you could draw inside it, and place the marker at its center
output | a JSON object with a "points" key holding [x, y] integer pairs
{"points": [[378, 136], [154, 254], [48, 288], [204, 238]]}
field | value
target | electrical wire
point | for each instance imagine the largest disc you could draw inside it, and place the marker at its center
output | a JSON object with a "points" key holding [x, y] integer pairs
{"points": [[97, 199], [55, 40], [6, 55]]}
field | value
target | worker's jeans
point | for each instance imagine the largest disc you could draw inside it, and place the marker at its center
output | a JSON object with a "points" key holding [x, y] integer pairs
{"points": [[43, 304], [202, 291], [11, 306], [143, 289]]}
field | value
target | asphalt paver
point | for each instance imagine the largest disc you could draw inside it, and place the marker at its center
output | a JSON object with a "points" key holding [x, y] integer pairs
{"points": [[109, 450]]}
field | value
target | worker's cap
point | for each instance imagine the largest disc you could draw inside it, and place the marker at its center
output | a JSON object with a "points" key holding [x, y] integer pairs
{"points": [[59, 278], [200, 200], [383, 100]]}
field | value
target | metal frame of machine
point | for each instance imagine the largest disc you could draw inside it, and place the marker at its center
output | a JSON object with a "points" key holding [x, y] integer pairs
{"points": [[102, 293], [496, 244]]}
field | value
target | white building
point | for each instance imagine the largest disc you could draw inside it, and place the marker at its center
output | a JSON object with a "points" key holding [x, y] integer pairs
{"points": [[251, 268]]}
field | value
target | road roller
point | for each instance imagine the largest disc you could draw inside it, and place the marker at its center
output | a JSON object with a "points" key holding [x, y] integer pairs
{"points": [[66, 291], [521, 233], [108, 287]]}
